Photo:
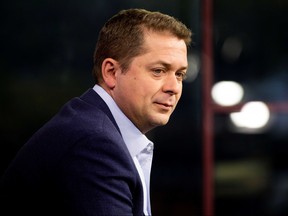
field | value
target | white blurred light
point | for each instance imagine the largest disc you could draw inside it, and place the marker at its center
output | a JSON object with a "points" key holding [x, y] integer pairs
{"points": [[253, 115], [227, 93]]}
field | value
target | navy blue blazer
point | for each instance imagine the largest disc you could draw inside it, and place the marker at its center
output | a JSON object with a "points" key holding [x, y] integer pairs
{"points": [[76, 164]]}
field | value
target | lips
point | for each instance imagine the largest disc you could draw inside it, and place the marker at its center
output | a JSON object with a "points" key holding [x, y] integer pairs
{"points": [[165, 105]]}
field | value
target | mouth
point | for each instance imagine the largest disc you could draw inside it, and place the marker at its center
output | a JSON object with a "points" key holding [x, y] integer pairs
{"points": [[165, 106]]}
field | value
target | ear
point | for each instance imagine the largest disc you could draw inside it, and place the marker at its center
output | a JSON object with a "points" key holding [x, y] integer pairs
{"points": [[109, 69]]}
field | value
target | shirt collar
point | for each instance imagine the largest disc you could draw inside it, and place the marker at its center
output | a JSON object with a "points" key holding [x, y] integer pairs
{"points": [[133, 138]]}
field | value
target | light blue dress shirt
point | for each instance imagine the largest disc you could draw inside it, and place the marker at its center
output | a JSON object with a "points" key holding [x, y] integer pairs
{"points": [[139, 146]]}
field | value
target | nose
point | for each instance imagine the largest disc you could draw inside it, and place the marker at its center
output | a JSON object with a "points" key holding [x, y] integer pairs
{"points": [[172, 85]]}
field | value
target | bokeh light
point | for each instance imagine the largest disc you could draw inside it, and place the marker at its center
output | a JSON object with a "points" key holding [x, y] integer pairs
{"points": [[253, 115], [227, 93]]}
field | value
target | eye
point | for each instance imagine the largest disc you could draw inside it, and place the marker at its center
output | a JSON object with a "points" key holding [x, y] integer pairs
{"points": [[158, 71], [181, 75]]}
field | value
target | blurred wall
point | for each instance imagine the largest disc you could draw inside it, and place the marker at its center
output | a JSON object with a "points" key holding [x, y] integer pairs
{"points": [[46, 59]]}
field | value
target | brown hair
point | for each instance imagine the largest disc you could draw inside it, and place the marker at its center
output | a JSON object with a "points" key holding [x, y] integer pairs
{"points": [[122, 37]]}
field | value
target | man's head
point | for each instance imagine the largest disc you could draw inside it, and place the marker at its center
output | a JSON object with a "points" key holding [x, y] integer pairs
{"points": [[140, 61], [122, 37]]}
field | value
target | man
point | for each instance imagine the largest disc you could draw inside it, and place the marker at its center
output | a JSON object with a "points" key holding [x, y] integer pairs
{"points": [[90, 158]]}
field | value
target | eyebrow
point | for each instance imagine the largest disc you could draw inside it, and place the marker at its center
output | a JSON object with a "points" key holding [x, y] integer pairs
{"points": [[168, 65]]}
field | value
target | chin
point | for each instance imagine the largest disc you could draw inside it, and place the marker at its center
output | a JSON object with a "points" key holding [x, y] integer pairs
{"points": [[162, 122], [159, 120]]}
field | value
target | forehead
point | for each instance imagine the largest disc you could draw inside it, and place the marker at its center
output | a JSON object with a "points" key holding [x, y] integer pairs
{"points": [[155, 40], [165, 46]]}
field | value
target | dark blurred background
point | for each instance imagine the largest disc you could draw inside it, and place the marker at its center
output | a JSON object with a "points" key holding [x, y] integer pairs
{"points": [[46, 59]]}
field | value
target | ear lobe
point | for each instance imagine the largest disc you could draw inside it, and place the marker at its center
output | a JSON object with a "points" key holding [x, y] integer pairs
{"points": [[109, 68]]}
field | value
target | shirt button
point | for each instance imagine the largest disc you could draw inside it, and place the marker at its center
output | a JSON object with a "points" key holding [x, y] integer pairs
{"points": [[149, 147]]}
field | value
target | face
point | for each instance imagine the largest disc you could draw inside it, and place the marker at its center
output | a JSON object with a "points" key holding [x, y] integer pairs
{"points": [[150, 89]]}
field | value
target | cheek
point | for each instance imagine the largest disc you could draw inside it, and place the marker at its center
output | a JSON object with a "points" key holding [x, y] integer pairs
{"points": [[144, 86]]}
